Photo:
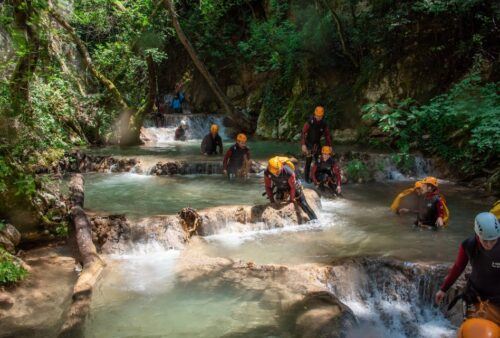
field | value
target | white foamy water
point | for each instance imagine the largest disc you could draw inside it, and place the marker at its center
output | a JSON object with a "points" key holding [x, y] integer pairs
{"points": [[147, 268]]}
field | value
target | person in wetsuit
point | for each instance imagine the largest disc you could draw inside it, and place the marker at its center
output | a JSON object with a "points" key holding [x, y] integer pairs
{"points": [[280, 180], [180, 132], [482, 251], [212, 141], [325, 172], [237, 158], [431, 209], [312, 132]]}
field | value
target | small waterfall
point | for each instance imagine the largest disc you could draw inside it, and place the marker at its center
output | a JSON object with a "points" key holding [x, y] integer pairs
{"points": [[198, 127], [391, 299]]}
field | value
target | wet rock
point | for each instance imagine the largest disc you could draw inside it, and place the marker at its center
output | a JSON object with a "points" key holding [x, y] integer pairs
{"points": [[345, 136], [265, 216], [319, 314], [111, 233], [9, 238], [6, 301]]}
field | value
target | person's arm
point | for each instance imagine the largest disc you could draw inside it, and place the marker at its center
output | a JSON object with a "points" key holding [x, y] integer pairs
{"points": [[336, 171], [269, 190], [305, 130], [226, 159], [328, 138], [313, 173], [291, 183], [204, 145], [456, 270], [219, 144]]}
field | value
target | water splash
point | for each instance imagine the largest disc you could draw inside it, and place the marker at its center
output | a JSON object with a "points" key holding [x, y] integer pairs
{"points": [[198, 127]]}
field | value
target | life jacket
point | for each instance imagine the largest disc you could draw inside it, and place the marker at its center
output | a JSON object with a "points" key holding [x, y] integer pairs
{"points": [[325, 167], [316, 131], [237, 158], [485, 276], [427, 210], [280, 182]]}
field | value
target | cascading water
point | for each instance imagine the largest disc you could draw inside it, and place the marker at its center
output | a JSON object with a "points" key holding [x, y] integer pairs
{"points": [[391, 301], [198, 126]]}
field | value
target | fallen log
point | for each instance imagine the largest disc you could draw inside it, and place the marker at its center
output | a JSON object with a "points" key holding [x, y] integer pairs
{"points": [[92, 264]]}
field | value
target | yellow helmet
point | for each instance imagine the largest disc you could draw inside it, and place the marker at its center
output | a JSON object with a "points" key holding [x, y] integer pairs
{"points": [[319, 111], [241, 137], [327, 150], [430, 180], [418, 185], [275, 165], [478, 328], [214, 128]]}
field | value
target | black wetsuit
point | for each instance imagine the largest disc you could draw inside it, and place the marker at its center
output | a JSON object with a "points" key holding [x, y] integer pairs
{"points": [[235, 158], [180, 134], [209, 144], [312, 133], [485, 276]]}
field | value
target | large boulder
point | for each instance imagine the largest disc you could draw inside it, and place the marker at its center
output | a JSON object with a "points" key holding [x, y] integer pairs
{"points": [[9, 238]]}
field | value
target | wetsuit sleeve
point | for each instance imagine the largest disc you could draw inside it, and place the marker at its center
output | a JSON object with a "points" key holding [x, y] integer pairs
{"points": [[305, 130], [328, 138], [456, 270], [204, 145], [440, 208], [219, 144], [336, 171], [313, 172], [291, 183], [226, 158], [269, 190]]}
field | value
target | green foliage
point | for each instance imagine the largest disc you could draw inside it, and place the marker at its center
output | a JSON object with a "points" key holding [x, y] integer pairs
{"points": [[10, 270], [2, 224], [460, 126], [357, 171], [62, 230]]}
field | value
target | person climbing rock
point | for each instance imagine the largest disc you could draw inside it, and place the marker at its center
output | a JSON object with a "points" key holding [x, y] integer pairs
{"points": [[325, 172], [403, 204], [280, 182], [478, 328], [212, 141], [180, 132], [482, 292], [432, 209], [237, 159], [314, 129]]}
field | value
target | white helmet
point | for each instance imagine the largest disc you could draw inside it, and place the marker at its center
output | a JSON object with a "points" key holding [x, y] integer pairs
{"points": [[183, 123], [487, 226]]}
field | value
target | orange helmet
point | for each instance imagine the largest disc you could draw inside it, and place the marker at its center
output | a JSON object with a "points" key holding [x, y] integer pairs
{"points": [[319, 111], [418, 185], [241, 138], [430, 180], [478, 328], [214, 128], [327, 150]]}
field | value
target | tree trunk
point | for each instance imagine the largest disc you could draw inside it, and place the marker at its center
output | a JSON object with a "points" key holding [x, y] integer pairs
{"points": [[223, 100], [341, 34], [130, 121], [81, 234]]}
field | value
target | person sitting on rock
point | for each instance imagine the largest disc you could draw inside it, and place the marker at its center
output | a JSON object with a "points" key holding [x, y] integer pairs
{"points": [[212, 141], [280, 182], [432, 209], [403, 204], [237, 158], [325, 172], [314, 129], [482, 292], [180, 132]]}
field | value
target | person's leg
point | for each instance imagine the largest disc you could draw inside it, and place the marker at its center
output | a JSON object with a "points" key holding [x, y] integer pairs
{"points": [[307, 168]]}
